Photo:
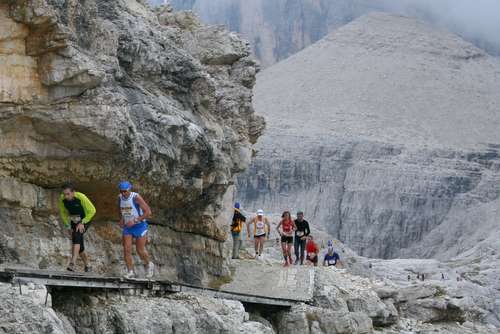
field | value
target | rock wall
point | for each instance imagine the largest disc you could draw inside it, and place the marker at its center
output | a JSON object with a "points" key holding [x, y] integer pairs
{"points": [[99, 91], [20, 79]]}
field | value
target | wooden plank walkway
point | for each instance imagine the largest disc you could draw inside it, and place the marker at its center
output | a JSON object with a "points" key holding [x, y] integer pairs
{"points": [[81, 280]]}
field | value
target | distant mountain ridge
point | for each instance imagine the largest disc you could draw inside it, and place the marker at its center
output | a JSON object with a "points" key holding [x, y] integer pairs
{"points": [[279, 28]]}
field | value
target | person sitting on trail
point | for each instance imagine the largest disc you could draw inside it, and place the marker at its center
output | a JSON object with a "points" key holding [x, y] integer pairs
{"points": [[76, 212], [312, 250], [133, 213], [261, 230], [236, 229], [300, 239], [287, 228], [331, 258]]}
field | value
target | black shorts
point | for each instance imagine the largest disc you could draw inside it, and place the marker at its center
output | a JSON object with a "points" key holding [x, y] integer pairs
{"points": [[287, 239], [77, 237], [312, 259], [86, 226], [259, 236]]}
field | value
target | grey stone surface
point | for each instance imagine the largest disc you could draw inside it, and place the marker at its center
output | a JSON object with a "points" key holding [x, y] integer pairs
{"points": [[81, 311], [179, 314], [409, 326], [456, 297], [271, 280], [26, 313], [384, 132], [309, 319], [342, 303]]}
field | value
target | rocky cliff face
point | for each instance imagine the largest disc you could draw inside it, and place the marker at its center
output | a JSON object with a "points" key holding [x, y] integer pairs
{"points": [[385, 133], [99, 91], [280, 28]]}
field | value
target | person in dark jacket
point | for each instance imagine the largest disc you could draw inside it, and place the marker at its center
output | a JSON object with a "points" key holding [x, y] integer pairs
{"points": [[300, 239], [236, 230]]}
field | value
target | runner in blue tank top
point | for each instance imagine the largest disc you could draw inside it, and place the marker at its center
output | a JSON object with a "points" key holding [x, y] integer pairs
{"points": [[133, 213]]}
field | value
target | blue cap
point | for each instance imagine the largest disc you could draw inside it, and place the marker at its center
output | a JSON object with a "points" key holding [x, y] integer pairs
{"points": [[330, 243], [237, 205], [125, 185]]}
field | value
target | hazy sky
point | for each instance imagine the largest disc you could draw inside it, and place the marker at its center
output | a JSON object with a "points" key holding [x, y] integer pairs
{"points": [[474, 19]]}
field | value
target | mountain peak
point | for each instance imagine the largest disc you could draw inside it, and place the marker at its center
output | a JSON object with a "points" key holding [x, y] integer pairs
{"points": [[387, 78], [385, 32]]}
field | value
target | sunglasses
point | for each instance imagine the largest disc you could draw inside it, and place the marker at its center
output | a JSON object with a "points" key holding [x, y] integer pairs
{"points": [[123, 191]]}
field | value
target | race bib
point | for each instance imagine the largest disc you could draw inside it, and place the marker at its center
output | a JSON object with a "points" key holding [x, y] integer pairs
{"points": [[332, 262], [75, 219], [127, 213], [300, 233], [260, 228], [126, 210]]}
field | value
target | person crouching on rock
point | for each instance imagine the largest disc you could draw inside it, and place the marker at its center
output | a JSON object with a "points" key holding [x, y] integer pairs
{"points": [[236, 229], [331, 258], [76, 212], [312, 250], [287, 229], [133, 213]]}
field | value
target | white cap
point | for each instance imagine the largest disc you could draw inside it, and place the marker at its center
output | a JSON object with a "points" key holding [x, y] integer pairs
{"points": [[260, 212]]}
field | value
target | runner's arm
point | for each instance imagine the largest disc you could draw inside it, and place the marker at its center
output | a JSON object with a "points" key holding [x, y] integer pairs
{"points": [[307, 231], [121, 222], [268, 228], [278, 228], [339, 262], [248, 228], [145, 208], [63, 212], [88, 208]]}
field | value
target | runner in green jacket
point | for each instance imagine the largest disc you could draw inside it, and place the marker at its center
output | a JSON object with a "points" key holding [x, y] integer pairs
{"points": [[76, 213]]}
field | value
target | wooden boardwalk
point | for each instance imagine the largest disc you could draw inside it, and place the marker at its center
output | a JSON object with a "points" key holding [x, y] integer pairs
{"points": [[65, 279]]}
